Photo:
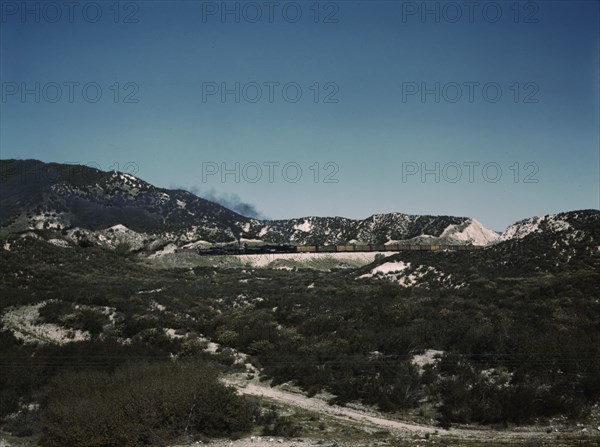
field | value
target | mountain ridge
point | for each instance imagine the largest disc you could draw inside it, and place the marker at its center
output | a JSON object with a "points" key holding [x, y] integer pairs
{"points": [[84, 205]]}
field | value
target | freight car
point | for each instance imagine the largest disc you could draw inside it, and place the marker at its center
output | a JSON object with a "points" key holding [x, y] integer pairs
{"points": [[327, 248], [306, 248], [232, 249], [261, 249]]}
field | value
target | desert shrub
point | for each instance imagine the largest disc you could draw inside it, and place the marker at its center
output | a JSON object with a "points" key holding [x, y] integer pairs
{"points": [[468, 394], [53, 310], [141, 404], [227, 338], [86, 320], [133, 324], [282, 426], [276, 425], [123, 248]]}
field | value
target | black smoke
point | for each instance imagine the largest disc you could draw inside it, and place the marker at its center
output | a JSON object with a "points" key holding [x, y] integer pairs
{"points": [[230, 201]]}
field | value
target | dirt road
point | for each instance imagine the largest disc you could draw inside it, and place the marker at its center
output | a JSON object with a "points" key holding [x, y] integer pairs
{"points": [[379, 421]]}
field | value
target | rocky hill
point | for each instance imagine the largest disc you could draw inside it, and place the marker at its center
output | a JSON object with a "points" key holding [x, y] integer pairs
{"points": [[72, 204], [542, 247]]}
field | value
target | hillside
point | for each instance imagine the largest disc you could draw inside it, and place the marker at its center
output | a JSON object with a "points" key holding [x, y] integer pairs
{"points": [[82, 205], [504, 335], [37, 195], [378, 229]]}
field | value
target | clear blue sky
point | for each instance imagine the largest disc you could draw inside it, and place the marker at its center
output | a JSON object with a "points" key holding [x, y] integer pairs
{"points": [[368, 56]]}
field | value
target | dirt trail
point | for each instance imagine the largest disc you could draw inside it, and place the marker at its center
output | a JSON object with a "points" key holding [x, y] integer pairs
{"points": [[322, 407], [379, 421]]}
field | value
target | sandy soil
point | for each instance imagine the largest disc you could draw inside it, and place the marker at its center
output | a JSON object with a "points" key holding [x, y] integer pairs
{"points": [[22, 321], [263, 260]]}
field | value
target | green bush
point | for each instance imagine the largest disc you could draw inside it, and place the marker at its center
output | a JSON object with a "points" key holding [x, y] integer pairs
{"points": [[53, 310], [141, 404], [123, 248], [276, 425]]}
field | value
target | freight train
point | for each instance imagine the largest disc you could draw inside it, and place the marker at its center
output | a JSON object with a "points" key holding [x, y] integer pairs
{"points": [[266, 249]]}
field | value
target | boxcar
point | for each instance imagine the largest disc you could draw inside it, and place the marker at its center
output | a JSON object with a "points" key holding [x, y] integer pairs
{"points": [[378, 247], [413, 247], [345, 247], [326, 248], [306, 248], [391, 247], [362, 248]]}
